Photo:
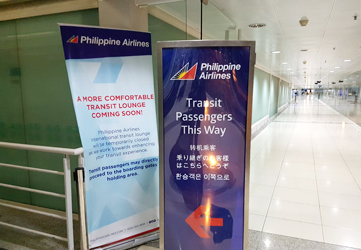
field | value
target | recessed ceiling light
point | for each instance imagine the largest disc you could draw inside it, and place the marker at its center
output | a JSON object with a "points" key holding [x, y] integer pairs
{"points": [[284, 63], [276, 52], [332, 71], [347, 60], [257, 25], [337, 67]]}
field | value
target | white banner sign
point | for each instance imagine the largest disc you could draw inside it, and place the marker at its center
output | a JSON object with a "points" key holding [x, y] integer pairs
{"points": [[111, 79]]}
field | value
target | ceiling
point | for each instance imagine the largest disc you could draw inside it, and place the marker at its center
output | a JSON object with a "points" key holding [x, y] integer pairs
{"points": [[331, 36]]}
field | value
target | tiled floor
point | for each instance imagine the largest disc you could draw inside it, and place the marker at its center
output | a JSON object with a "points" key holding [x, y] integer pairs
{"points": [[306, 176], [266, 241]]}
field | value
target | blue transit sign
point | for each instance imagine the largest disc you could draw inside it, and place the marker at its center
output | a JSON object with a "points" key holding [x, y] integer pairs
{"points": [[205, 99]]}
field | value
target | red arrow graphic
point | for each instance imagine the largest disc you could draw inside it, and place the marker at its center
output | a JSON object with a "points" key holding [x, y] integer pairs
{"points": [[195, 221]]}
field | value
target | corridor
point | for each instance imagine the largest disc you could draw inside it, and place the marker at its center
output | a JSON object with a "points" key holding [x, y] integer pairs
{"points": [[306, 176]]}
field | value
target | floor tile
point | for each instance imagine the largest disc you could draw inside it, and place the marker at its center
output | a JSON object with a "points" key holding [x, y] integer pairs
{"points": [[296, 195], [297, 165], [345, 201], [338, 187], [324, 175], [256, 222], [341, 218], [354, 164], [261, 191], [342, 236], [263, 179], [259, 206], [266, 163], [297, 183], [337, 168], [298, 173], [337, 159], [265, 170], [294, 211], [297, 157], [296, 229], [270, 157]]}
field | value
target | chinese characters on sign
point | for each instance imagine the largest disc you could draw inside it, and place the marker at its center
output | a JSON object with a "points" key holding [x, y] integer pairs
{"points": [[205, 90]]}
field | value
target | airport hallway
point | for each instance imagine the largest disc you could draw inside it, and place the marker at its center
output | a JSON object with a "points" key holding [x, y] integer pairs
{"points": [[306, 176], [305, 187]]}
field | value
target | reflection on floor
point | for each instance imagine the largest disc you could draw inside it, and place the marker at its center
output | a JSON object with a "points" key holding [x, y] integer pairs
{"points": [[306, 176], [305, 187], [347, 107]]}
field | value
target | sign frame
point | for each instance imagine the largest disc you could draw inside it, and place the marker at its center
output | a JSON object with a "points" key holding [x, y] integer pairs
{"points": [[101, 62], [252, 62]]}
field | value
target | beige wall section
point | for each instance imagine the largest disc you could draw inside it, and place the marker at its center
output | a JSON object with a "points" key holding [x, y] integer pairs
{"points": [[40, 8], [123, 14]]}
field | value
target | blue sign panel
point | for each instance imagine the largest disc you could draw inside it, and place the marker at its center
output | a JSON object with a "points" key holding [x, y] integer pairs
{"points": [[205, 112], [99, 42]]}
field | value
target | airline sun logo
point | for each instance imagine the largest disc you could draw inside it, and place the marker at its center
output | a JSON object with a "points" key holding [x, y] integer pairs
{"points": [[185, 74], [73, 39]]}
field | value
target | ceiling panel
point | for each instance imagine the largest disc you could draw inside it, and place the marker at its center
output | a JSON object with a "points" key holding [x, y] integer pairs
{"points": [[331, 35]]}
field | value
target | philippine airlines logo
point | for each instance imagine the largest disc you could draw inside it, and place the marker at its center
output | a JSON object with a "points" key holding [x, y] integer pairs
{"points": [[73, 39], [185, 74]]}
